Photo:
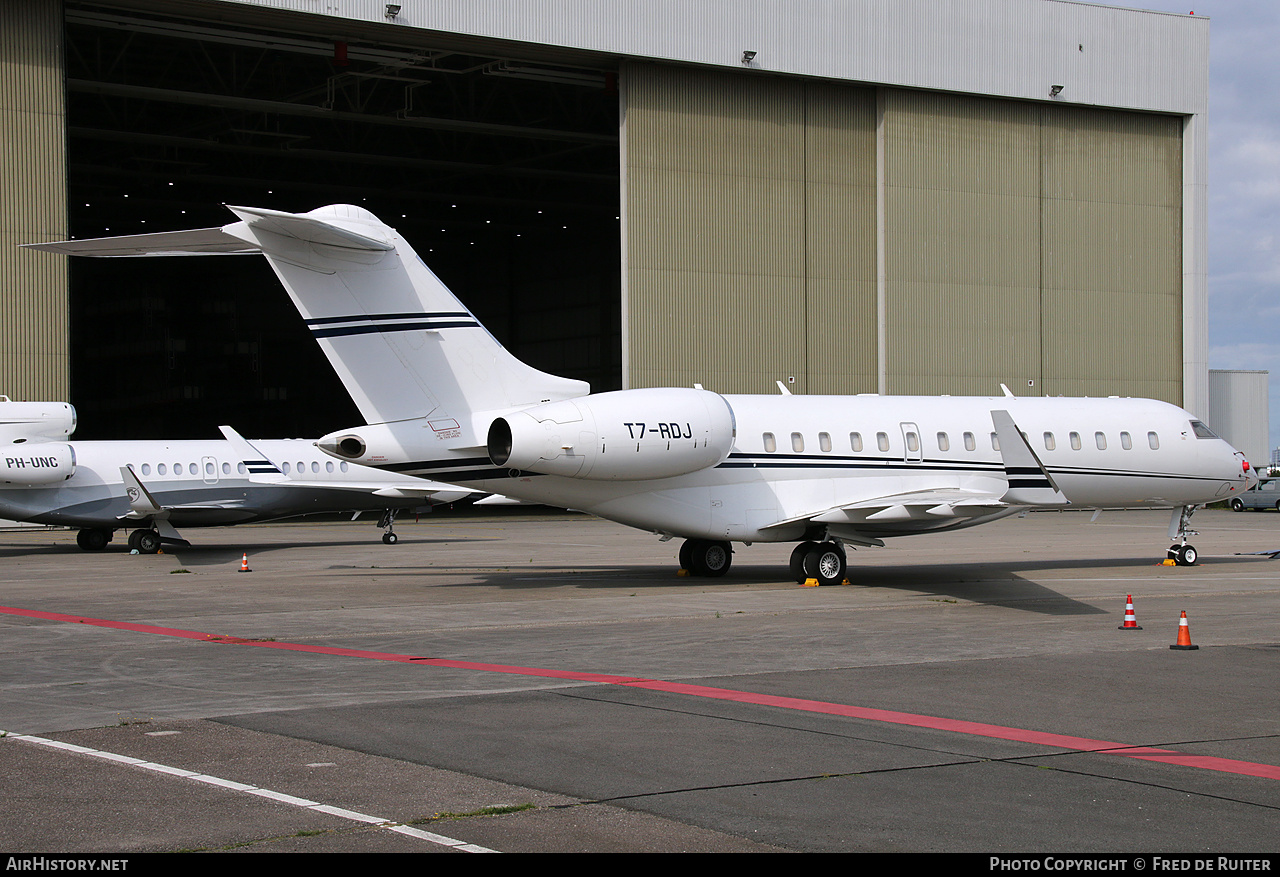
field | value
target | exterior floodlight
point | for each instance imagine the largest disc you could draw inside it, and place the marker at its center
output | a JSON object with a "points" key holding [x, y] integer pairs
{"points": [[748, 56], [1055, 90], [393, 9]]}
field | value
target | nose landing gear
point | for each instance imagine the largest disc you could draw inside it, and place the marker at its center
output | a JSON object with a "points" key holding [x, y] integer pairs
{"points": [[1180, 528]]}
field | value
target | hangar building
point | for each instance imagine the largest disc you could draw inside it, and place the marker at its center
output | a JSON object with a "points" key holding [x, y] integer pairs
{"points": [[851, 196]]}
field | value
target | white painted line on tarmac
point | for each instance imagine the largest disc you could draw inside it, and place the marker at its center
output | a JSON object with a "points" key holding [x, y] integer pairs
{"points": [[232, 785]]}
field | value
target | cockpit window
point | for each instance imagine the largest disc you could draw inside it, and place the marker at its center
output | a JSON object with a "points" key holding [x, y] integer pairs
{"points": [[1201, 430]]}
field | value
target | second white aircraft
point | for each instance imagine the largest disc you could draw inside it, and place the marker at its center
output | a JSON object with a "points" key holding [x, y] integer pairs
{"points": [[444, 400]]}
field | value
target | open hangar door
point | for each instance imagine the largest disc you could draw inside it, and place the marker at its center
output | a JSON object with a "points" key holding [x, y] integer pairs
{"points": [[501, 171]]}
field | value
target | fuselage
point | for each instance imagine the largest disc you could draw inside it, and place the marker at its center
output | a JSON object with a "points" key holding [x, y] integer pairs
{"points": [[204, 483], [796, 456]]}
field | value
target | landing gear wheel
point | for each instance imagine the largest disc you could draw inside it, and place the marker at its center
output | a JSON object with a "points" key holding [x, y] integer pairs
{"points": [[144, 541], [686, 555], [93, 538], [1237, 505], [1185, 555], [390, 538], [797, 560], [826, 563], [709, 559]]}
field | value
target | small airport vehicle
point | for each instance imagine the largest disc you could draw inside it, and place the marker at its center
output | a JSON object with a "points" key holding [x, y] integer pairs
{"points": [[1265, 495], [443, 399]]}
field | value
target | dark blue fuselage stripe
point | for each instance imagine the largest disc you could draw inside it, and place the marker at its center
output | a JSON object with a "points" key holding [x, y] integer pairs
{"points": [[392, 327], [375, 318]]}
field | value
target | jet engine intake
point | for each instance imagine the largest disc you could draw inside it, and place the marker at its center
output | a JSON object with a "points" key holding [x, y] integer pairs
{"points": [[626, 435]]}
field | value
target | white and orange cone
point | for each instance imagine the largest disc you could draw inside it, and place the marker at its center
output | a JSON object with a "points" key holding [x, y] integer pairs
{"points": [[1130, 620], [1184, 635], [244, 563]]}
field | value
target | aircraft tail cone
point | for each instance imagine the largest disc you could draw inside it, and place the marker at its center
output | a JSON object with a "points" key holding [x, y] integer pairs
{"points": [[1184, 635], [1130, 620], [244, 563]]}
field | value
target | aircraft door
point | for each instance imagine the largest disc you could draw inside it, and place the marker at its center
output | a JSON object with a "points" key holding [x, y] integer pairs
{"points": [[913, 447]]}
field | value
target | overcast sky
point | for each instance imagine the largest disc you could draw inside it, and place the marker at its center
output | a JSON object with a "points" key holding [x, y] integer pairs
{"points": [[1244, 184]]}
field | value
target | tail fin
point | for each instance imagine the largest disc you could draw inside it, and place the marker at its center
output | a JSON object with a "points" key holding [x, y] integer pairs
{"points": [[402, 344]]}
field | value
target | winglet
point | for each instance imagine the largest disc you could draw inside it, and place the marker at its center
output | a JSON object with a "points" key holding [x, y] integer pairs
{"points": [[1029, 481], [259, 466], [782, 388], [141, 503]]}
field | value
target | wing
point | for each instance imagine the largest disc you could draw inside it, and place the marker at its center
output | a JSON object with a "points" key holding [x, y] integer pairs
{"points": [[914, 511]]}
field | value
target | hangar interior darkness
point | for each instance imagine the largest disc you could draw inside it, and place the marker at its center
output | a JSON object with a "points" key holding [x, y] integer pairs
{"points": [[502, 172]]}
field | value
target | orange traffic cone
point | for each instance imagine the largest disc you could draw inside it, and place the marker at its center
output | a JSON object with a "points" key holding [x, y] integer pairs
{"points": [[1184, 635], [244, 564], [1130, 620]]}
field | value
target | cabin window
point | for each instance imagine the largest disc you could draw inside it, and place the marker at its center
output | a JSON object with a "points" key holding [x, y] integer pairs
{"points": [[1154, 441], [193, 468], [177, 468], [328, 467], [797, 442], [1075, 441], [284, 467], [226, 468], [146, 468], [882, 441], [241, 468], [824, 442], [995, 442], [970, 443], [315, 467], [1050, 442], [302, 467], [1126, 441], [161, 469], [770, 444], [944, 443], [913, 442], [343, 466], [1101, 440], [208, 469], [855, 442]]}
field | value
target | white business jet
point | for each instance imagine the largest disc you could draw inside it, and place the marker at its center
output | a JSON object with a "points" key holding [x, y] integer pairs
{"points": [[154, 487], [443, 399]]}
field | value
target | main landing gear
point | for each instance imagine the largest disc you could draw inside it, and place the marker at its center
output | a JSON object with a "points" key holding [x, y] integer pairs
{"points": [[1180, 528], [706, 557], [93, 538], [386, 522], [823, 561], [144, 541]]}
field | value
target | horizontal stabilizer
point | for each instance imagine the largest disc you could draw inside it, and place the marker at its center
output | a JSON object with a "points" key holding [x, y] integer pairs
{"points": [[197, 242], [329, 230]]}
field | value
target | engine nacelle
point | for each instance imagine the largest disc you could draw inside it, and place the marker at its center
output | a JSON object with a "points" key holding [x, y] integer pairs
{"points": [[26, 421], [36, 464], [626, 435]]}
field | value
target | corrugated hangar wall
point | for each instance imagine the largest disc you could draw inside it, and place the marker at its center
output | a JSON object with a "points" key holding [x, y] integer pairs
{"points": [[749, 252], [1031, 244], [34, 352]]}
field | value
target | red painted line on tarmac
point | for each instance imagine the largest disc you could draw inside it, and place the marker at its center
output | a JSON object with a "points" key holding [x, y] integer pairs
{"points": [[958, 726]]}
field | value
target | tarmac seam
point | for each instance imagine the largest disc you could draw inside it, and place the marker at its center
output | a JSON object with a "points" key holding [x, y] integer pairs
{"points": [[234, 786]]}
